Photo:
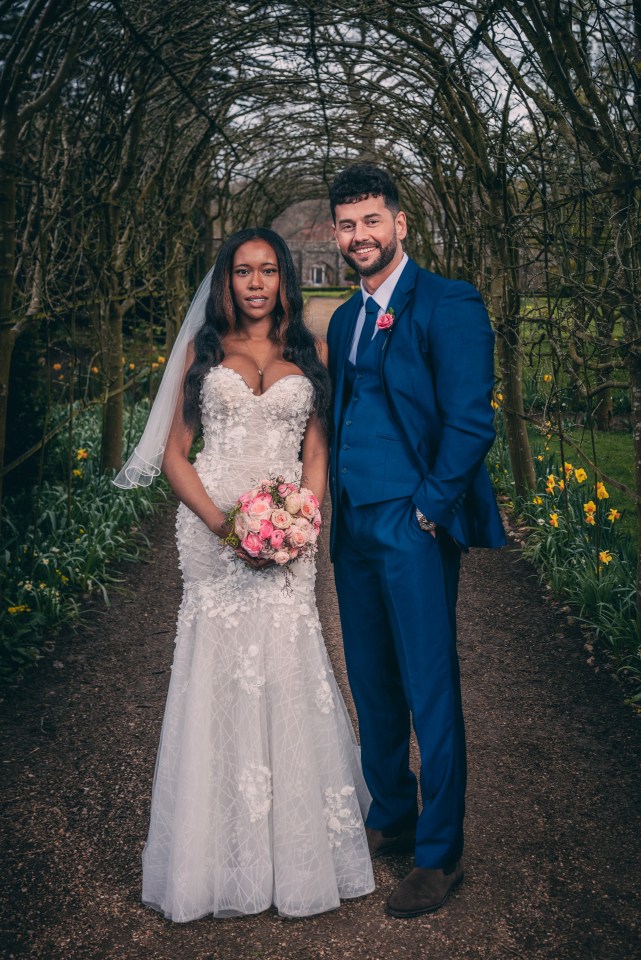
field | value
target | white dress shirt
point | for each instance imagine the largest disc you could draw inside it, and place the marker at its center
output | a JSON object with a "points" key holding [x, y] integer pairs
{"points": [[382, 296]]}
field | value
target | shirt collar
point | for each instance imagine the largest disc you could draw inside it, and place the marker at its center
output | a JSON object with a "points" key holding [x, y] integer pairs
{"points": [[384, 293]]}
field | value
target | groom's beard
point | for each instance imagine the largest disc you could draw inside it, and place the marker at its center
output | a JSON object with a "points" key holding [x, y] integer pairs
{"points": [[385, 257]]}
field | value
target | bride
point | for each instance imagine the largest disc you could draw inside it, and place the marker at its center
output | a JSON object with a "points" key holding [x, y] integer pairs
{"points": [[258, 796]]}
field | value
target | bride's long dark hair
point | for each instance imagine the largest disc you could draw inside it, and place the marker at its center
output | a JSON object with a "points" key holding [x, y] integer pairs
{"points": [[299, 344]]}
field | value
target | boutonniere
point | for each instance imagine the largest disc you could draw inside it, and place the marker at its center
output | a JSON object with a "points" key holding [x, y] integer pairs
{"points": [[386, 320]]}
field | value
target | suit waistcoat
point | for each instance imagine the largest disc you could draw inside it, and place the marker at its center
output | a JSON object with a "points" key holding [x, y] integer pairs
{"points": [[373, 462]]}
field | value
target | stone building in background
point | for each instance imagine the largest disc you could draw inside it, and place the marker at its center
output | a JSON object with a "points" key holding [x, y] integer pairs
{"points": [[307, 228]]}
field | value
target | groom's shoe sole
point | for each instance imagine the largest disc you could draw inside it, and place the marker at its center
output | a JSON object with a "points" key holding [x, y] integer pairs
{"points": [[380, 846], [432, 908]]}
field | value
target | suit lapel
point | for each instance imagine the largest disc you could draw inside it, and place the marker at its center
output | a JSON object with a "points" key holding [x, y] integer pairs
{"points": [[400, 299]]}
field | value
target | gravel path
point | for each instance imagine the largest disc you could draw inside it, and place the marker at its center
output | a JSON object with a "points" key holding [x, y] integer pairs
{"points": [[318, 312], [554, 806]]}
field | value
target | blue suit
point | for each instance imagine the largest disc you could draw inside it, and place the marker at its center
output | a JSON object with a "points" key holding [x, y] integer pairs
{"points": [[412, 425]]}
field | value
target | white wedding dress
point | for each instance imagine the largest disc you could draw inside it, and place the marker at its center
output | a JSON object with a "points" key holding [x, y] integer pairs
{"points": [[258, 796]]}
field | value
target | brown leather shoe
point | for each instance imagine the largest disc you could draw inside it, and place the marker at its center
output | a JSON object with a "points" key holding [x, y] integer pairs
{"points": [[423, 891], [381, 845]]}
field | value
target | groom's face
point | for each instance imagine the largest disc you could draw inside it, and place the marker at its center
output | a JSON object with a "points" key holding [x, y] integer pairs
{"points": [[369, 235]]}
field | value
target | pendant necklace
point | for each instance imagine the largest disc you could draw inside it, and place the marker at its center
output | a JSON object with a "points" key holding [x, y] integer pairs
{"points": [[253, 356]]}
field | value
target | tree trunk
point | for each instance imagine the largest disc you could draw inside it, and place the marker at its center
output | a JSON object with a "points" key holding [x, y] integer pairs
{"points": [[505, 306], [176, 295], [8, 157], [111, 450]]}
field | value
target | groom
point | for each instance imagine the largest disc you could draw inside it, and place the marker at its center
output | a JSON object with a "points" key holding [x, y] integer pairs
{"points": [[411, 360]]}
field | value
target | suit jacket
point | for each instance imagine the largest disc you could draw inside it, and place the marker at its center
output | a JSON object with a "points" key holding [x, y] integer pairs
{"points": [[436, 366]]}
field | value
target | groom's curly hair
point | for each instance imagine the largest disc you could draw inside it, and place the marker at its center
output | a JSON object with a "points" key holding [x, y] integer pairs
{"points": [[360, 181]]}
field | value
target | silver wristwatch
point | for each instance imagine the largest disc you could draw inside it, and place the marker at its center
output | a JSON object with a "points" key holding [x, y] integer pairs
{"points": [[428, 525]]}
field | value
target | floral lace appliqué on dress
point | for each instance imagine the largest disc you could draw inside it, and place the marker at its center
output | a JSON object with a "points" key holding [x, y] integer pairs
{"points": [[258, 794]]}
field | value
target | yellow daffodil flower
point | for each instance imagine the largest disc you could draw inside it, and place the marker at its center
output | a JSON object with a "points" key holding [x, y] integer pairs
{"points": [[580, 475], [554, 520], [613, 514], [601, 492], [605, 556]]}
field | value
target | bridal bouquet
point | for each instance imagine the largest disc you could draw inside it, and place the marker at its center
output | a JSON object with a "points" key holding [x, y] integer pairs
{"points": [[276, 520]]}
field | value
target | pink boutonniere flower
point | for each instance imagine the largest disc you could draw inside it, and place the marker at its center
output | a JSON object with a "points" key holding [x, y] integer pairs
{"points": [[386, 320]]}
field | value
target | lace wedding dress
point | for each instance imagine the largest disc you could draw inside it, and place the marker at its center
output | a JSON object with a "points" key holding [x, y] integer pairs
{"points": [[258, 794]]}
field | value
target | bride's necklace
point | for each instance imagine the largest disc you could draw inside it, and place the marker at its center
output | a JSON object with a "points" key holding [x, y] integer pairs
{"points": [[253, 356]]}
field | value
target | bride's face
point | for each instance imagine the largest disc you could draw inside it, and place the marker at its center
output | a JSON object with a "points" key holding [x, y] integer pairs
{"points": [[255, 281]]}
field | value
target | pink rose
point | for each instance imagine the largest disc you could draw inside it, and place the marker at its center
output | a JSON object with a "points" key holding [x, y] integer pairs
{"points": [[308, 495], [296, 537], [266, 529], [293, 502], [253, 524], [317, 522], [308, 509], [385, 321], [260, 509], [252, 544], [281, 519], [283, 489], [277, 538], [281, 557]]}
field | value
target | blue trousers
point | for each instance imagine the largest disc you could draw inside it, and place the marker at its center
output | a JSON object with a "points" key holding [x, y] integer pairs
{"points": [[397, 588]]}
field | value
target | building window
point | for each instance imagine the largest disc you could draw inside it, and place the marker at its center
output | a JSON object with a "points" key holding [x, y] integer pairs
{"points": [[317, 275]]}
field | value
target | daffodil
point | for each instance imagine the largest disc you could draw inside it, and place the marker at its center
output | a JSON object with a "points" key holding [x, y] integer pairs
{"points": [[601, 492], [547, 378], [590, 507], [568, 470], [613, 514], [132, 366], [605, 556], [161, 359], [554, 520], [539, 457], [82, 454], [537, 501], [580, 475], [56, 367]]}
